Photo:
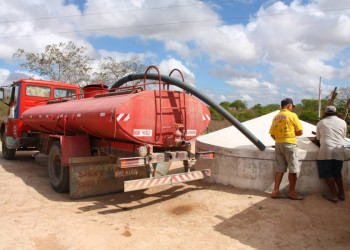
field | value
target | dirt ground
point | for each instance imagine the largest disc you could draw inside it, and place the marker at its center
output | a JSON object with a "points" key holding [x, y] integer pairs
{"points": [[196, 215]]}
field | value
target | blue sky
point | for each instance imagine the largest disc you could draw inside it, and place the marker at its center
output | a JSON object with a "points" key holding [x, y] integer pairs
{"points": [[256, 51]]}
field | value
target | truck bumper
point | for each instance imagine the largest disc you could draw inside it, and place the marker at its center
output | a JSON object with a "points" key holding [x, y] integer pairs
{"points": [[22, 142], [165, 180]]}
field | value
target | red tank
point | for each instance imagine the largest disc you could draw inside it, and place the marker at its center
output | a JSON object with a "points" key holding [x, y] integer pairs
{"points": [[95, 89], [143, 117]]}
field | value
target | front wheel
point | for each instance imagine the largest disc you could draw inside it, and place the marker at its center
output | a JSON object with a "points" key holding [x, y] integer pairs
{"points": [[59, 175], [7, 153]]}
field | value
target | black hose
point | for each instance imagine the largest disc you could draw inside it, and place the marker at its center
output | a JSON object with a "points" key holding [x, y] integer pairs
{"points": [[199, 95]]}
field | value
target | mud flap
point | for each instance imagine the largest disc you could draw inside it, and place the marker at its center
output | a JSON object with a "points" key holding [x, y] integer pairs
{"points": [[161, 168], [91, 176]]}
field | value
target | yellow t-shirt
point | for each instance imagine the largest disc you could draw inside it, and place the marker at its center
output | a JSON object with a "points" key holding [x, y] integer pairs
{"points": [[284, 126]]}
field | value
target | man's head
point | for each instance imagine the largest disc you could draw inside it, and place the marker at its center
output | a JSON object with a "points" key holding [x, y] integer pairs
{"points": [[287, 103], [330, 110]]}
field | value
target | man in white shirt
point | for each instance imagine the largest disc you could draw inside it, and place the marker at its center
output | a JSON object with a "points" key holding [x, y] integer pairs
{"points": [[331, 132]]}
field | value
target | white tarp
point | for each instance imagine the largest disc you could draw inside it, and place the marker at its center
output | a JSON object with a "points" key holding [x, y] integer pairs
{"points": [[231, 137]]}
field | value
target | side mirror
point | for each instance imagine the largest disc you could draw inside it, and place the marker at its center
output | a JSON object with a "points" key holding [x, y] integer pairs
{"points": [[2, 94]]}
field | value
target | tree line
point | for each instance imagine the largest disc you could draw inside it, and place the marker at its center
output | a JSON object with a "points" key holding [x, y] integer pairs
{"points": [[307, 110]]}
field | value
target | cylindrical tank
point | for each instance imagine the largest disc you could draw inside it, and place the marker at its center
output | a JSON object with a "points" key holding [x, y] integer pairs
{"points": [[94, 89], [144, 117]]}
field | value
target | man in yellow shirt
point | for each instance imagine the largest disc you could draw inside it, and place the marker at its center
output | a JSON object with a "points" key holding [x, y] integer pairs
{"points": [[284, 129]]}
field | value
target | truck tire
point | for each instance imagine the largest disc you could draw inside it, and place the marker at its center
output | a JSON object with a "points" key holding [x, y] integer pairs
{"points": [[59, 175], [8, 154]]}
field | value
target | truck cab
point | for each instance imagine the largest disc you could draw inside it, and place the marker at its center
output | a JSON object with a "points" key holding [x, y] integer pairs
{"points": [[25, 94]]}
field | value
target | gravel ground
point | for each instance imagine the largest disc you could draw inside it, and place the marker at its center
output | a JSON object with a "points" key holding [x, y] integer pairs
{"points": [[196, 215]]}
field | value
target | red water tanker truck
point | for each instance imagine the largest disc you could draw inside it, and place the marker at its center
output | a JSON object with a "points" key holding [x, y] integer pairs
{"points": [[107, 140]]}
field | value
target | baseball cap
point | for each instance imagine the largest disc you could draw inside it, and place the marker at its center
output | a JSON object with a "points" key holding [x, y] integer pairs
{"points": [[286, 101], [330, 109]]}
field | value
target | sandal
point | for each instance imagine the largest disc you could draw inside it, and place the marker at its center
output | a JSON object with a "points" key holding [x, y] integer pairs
{"points": [[297, 197], [341, 197], [329, 197], [279, 197]]}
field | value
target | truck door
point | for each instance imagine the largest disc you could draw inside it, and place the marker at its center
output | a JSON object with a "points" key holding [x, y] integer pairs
{"points": [[14, 102], [13, 113]]}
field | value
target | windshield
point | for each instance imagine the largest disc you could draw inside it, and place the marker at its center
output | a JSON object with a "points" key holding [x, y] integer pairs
{"points": [[38, 91]]}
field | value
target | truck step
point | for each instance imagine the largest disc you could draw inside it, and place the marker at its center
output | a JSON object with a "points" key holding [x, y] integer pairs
{"points": [[165, 180]]}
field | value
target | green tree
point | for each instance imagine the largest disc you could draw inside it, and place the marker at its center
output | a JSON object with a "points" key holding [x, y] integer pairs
{"points": [[215, 115], [271, 107], [308, 110], [310, 104], [245, 115], [225, 105], [309, 116], [64, 62], [340, 103], [343, 96], [238, 104], [257, 108]]}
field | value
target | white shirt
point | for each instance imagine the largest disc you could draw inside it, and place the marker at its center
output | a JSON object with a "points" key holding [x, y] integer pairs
{"points": [[331, 132]]}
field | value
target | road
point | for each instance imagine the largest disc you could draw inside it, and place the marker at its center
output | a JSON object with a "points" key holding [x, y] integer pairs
{"points": [[196, 215]]}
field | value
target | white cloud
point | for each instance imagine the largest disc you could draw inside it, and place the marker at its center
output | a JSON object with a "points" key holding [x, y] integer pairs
{"points": [[28, 27], [245, 83], [253, 91], [252, 84], [182, 29], [228, 72], [181, 48], [7, 77], [298, 46], [167, 65], [4, 73], [295, 49], [247, 98], [147, 18], [228, 43], [222, 98], [127, 56]]}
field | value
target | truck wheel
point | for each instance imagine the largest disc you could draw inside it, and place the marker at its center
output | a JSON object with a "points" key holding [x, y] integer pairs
{"points": [[59, 175], [8, 154]]}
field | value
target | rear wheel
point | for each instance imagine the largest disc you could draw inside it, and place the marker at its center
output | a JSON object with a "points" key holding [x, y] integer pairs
{"points": [[7, 153], [59, 175]]}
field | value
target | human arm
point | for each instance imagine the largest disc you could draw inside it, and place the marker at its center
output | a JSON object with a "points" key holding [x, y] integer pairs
{"points": [[297, 126], [272, 131], [318, 133], [344, 129]]}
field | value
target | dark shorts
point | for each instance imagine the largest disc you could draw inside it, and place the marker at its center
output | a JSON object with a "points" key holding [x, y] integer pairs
{"points": [[329, 168]]}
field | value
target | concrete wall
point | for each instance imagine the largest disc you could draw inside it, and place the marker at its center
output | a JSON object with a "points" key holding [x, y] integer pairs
{"points": [[249, 168]]}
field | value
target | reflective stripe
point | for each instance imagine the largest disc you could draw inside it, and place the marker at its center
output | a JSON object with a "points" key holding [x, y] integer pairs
{"points": [[122, 117], [165, 180], [206, 117]]}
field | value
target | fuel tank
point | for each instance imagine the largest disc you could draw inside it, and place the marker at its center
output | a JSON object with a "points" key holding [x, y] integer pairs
{"points": [[145, 117]]}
